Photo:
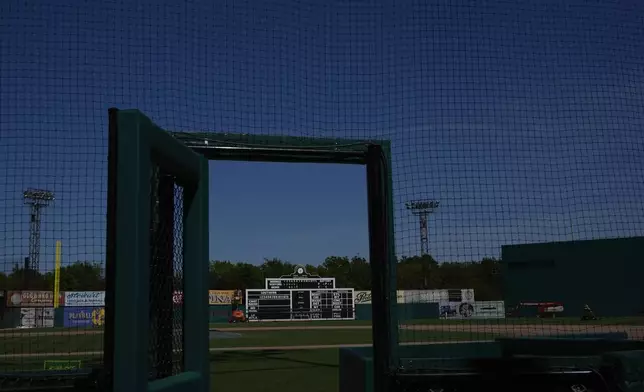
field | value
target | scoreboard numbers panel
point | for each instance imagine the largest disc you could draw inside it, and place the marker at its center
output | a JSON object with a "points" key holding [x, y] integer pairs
{"points": [[299, 283], [303, 304], [268, 305]]}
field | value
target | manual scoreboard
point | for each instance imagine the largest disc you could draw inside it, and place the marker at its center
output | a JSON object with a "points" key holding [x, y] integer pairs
{"points": [[300, 296], [303, 304]]}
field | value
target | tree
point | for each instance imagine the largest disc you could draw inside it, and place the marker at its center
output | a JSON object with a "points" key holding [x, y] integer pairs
{"points": [[274, 268], [21, 279], [337, 267], [80, 276], [425, 270], [221, 275], [359, 274], [413, 273]]}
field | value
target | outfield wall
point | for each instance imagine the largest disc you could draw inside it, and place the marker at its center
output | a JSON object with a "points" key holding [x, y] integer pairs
{"points": [[86, 309], [605, 274]]}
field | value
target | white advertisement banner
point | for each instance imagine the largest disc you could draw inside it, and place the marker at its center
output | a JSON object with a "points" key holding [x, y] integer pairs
{"points": [[400, 296], [419, 296], [85, 298], [489, 310], [362, 297], [44, 318], [471, 310], [27, 318]]}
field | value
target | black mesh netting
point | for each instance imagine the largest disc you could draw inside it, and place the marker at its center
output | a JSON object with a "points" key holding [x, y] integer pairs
{"points": [[524, 120], [166, 277]]}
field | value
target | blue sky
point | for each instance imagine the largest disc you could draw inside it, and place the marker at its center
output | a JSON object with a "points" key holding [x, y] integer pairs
{"points": [[524, 119]]}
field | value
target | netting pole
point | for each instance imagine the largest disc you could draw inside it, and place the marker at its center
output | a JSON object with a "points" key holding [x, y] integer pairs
{"points": [[110, 248], [392, 261], [384, 324]]}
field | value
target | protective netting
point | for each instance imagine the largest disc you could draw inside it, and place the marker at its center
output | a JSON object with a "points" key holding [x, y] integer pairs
{"points": [[166, 277], [524, 121]]}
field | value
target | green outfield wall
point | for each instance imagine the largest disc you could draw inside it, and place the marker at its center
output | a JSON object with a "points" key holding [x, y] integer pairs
{"points": [[605, 274]]}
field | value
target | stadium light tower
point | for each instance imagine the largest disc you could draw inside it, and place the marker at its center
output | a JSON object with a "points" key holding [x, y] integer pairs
{"points": [[422, 209], [36, 199]]}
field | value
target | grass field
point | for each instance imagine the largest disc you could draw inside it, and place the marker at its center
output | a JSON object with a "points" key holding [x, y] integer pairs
{"points": [[432, 321], [64, 343], [278, 354], [256, 370], [232, 360]]}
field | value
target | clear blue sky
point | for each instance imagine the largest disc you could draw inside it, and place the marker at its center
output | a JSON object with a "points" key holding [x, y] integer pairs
{"points": [[524, 119]]}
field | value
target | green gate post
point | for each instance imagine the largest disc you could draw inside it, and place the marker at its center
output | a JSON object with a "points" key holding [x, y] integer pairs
{"points": [[139, 145]]}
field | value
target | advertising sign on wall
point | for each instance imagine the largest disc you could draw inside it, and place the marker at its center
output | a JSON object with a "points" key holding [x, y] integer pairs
{"points": [[362, 297], [62, 364], [36, 318], [83, 317], [27, 318], [400, 296], [45, 318], [27, 299], [489, 310], [421, 296], [85, 298], [455, 310], [220, 297], [471, 310]]}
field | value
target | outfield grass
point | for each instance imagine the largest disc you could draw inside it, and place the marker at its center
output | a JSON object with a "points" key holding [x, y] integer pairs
{"points": [[262, 370], [270, 370], [64, 343]]}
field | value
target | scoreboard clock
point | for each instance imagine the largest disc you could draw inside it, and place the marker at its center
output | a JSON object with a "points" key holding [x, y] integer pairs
{"points": [[300, 304]]}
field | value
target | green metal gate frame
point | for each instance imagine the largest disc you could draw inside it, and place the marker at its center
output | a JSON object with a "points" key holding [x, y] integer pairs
{"points": [[376, 156], [185, 155], [136, 144]]}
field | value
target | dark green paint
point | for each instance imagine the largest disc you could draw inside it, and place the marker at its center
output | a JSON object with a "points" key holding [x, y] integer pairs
{"points": [[591, 350], [392, 264], [404, 312], [140, 144], [131, 254], [605, 274], [356, 370], [266, 148]]}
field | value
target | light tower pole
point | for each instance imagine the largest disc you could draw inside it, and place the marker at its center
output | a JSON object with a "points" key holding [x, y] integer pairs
{"points": [[36, 199], [422, 209]]}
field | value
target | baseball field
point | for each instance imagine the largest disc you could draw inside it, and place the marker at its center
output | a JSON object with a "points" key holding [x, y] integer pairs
{"points": [[287, 356]]}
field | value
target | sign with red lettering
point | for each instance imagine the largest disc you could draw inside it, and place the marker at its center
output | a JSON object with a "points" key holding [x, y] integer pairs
{"points": [[31, 299]]}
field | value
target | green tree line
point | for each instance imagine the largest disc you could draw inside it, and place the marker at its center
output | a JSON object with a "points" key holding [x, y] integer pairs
{"points": [[413, 273]]}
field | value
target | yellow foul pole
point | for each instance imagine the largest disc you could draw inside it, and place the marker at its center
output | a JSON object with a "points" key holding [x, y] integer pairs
{"points": [[59, 246]]}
